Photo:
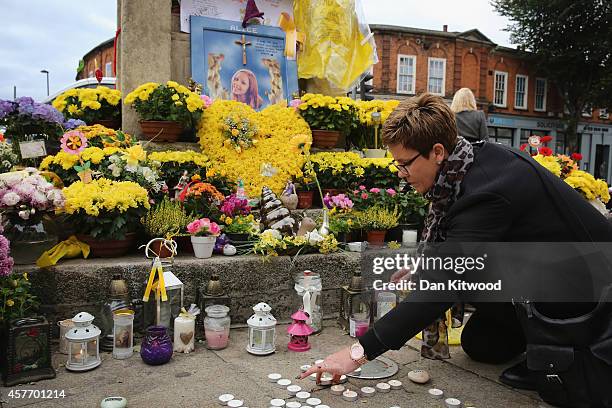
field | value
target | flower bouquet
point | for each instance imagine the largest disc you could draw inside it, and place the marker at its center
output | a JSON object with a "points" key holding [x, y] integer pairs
{"points": [[204, 233], [106, 214], [273, 243], [25, 197], [100, 105], [165, 109], [26, 120], [239, 132]]}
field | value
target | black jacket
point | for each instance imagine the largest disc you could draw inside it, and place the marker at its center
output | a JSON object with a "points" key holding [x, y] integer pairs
{"points": [[505, 196], [472, 125]]}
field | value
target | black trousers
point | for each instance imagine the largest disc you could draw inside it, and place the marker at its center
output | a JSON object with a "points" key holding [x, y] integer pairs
{"points": [[493, 334]]}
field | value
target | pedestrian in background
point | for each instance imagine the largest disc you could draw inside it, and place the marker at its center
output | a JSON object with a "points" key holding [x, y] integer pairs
{"points": [[471, 123]]}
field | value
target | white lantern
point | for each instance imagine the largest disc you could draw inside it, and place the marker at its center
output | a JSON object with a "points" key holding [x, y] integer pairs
{"points": [[83, 344], [262, 331]]}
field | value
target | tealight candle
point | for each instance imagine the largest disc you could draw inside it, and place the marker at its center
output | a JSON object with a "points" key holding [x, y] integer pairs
{"points": [[367, 391], [436, 393], [409, 237], [235, 403], [277, 402], [302, 396], [326, 379], [343, 379], [305, 368], [357, 371], [313, 376], [337, 389], [293, 404], [225, 398], [293, 389], [317, 362], [383, 387], [283, 383], [395, 384], [322, 406], [274, 377], [452, 403], [313, 401], [349, 395]]}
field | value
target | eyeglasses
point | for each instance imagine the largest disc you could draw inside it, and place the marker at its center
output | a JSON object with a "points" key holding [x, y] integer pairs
{"points": [[405, 167]]}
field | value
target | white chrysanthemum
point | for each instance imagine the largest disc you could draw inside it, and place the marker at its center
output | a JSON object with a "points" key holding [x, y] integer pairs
{"points": [[11, 198]]}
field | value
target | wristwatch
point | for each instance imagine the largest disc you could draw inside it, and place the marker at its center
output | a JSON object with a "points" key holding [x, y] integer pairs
{"points": [[358, 354]]}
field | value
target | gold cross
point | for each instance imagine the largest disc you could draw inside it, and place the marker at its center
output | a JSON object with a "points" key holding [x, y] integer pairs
{"points": [[244, 44]]}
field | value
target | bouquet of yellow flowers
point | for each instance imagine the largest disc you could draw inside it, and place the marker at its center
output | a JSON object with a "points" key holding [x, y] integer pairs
{"points": [[90, 105], [169, 101], [106, 209], [272, 243]]}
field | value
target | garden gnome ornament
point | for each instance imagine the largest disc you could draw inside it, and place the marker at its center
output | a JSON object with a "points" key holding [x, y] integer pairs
{"points": [[289, 196], [251, 12], [182, 183]]}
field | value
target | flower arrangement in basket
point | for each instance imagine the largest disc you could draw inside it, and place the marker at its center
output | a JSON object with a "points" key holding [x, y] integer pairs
{"points": [[173, 106], [90, 105], [105, 209]]}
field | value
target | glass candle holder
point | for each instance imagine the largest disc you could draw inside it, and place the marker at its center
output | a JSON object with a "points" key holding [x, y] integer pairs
{"points": [[217, 327], [123, 334], [359, 324]]}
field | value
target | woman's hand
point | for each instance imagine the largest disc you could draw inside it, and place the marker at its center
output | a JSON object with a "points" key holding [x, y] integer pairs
{"points": [[336, 364], [401, 275]]}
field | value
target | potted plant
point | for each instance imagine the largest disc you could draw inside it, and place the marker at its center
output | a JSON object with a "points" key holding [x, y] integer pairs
{"points": [[412, 207], [240, 227], [25, 197], [165, 109], [376, 221], [365, 133], [340, 215], [8, 158], [101, 105], [336, 171], [199, 197], [327, 117], [106, 214], [204, 233], [166, 220]]}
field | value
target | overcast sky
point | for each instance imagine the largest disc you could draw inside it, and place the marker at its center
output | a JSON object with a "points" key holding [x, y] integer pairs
{"points": [[54, 35]]}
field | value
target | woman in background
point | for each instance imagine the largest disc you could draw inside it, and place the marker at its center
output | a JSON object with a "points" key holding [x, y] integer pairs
{"points": [[244, 88], [471, 123]]}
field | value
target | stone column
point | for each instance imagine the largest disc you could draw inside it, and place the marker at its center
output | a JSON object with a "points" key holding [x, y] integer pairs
{"points": [[144, 49]]}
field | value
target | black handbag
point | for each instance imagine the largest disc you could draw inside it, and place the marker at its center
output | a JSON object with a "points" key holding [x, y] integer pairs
{"points": [[571, 359]]}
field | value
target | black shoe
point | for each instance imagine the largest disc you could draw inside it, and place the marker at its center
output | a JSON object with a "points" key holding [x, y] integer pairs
{"points": [[518, 376]]}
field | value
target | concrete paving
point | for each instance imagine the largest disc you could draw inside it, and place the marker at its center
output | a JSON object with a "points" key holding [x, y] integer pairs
{"points": [[197, 379]]}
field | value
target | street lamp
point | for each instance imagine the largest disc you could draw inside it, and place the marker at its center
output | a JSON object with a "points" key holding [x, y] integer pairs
{"points": [[44, 71]]}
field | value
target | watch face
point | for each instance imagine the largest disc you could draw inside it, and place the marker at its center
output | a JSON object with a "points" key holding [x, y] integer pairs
{"points": [[356, 351]]}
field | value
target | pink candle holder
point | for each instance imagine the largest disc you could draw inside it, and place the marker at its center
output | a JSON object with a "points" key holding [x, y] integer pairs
{"points": [[299, 332]]}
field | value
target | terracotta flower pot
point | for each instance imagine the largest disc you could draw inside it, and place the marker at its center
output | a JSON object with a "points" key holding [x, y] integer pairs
{"points": [[108, 248], [161, 249], [325, 139], [161, 130], [376, 238], [114, 124], [183, 244], [305, 199]]}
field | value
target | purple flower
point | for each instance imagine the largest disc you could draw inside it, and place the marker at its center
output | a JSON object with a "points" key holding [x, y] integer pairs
{"points": [[233, 205], [375, 190], [73, 124], [6, 262], [6, 108]]}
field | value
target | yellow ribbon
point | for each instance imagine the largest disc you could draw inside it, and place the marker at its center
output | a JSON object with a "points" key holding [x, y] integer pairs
{"points": [[292, 36], [157, 269], [70, 248]]}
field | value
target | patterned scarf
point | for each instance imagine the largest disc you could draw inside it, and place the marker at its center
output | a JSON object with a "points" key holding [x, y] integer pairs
{"points": [[442, 196]]}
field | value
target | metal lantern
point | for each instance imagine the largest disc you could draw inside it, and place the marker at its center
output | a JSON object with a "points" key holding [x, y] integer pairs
{"points": [[163, 313], [262, 331], [353, 297], [83, 344], [27, 355], [213, 294], [299, 331], [118, 299]]}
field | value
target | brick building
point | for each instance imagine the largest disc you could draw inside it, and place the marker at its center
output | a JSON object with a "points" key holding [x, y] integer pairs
{"points": [[519, 101], [103, 54]]}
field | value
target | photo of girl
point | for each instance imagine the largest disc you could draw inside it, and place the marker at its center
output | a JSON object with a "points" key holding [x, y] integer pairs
{"points": [[244, 88]]}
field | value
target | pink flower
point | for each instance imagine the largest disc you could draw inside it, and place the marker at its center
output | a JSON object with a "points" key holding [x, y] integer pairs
{"points": [[203, 227], [391, 192], [375, 190], [362, 187], [355, 192], [364, 196], [73, 142], [207, 100]]}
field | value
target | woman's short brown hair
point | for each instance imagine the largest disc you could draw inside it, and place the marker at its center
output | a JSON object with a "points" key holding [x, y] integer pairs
{"points": [[419, 123]]}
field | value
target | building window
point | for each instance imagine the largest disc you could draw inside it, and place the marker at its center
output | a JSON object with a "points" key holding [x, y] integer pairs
{"points": [[437, 75], [501, 135], [520, 94], [108, 69], [501, 84], [540, 94], [587, 112], [603, 113], [406, 65]]}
